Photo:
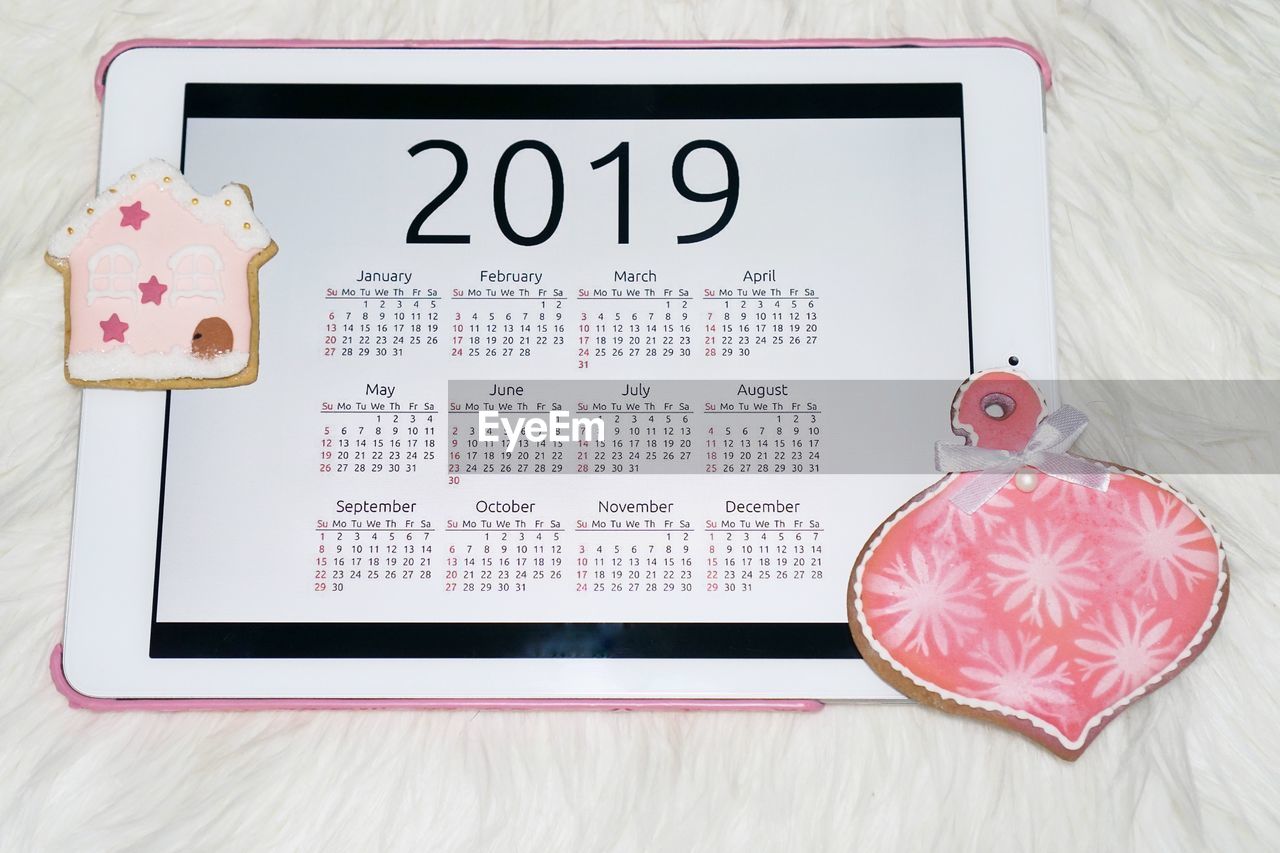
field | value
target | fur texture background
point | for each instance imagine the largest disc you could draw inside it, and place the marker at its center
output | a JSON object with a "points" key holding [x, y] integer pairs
{"points": [[1164, 165]]}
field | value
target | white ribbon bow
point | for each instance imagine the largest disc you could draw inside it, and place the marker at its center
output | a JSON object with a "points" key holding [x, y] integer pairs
{"points": [[1045, 451]]}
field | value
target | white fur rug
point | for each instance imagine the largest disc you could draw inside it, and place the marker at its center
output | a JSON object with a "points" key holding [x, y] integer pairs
{"points": [[1163, 150]]}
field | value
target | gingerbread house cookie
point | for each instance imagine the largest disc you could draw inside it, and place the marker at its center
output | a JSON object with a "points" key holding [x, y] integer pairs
{"points": [[160, 284]]}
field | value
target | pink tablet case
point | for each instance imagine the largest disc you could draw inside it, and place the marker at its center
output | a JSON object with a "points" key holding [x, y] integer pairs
{"points": [[78, 700], [100, 77]]}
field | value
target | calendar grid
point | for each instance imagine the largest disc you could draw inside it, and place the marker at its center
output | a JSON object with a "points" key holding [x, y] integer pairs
{"points": [[711, 318]]}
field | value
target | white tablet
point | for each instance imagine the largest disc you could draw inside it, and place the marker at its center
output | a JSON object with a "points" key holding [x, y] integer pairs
{"points": [[709, 255]]}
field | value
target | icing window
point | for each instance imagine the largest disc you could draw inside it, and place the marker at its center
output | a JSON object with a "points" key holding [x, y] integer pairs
{"points": [[113, 273], [197, 271]]}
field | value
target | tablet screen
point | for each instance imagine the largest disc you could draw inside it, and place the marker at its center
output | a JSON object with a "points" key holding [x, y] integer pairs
{"points": [[559, 370]]}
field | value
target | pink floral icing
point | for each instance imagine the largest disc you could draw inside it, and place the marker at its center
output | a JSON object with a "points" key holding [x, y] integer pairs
{"points": [[1058, 606]]}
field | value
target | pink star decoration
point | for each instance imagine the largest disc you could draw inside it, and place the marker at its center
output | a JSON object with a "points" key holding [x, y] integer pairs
{"points": [[131, 216], [113, 328], [152, 290]]}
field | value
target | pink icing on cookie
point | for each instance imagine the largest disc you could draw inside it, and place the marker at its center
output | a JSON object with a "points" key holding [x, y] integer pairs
{"points": [[132, 216], [152, 291], [113, 329], [1055, 607], [153, 256], [207, 275]]}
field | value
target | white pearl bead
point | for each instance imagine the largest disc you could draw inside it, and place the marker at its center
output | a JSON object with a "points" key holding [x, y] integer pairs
{"points": [[1026, 480]]}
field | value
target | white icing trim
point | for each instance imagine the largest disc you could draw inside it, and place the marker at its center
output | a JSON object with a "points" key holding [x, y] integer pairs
{"points": [[113, 250], [936, 491], [211, 209], [175, 293], [123, 363], [196, 249]]}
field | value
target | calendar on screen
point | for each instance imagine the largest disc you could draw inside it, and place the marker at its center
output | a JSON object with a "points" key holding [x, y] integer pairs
{"points": [[559, 370]]}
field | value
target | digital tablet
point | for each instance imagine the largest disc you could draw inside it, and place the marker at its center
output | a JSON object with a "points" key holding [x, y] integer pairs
{"points": [[572, 365]]}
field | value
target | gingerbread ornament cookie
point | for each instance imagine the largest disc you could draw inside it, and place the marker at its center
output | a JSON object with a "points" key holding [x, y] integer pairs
{"points": [[1031, 587], [160, 284]]}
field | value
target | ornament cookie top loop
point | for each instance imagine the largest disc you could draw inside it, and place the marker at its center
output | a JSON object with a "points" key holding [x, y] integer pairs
{"points": [[997, 409]]}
